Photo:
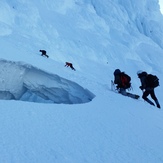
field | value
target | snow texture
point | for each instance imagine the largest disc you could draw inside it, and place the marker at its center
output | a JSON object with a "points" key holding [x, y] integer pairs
{"points": [[38, 124], [24, 82]]}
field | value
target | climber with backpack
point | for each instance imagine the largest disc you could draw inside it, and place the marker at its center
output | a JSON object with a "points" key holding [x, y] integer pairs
{"points": [[148, 83], [123, 83]]}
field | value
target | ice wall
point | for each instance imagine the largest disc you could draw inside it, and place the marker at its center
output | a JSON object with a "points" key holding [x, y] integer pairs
{"points": [[21, 81]]}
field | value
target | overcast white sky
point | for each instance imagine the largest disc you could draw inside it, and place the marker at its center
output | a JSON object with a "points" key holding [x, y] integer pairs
{"points": [[161, 5]]}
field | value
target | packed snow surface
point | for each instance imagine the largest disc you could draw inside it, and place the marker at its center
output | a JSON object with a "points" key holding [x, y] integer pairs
{"points": [[38, 124]]}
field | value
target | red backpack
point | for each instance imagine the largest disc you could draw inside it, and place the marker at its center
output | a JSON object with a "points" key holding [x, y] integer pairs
{"points": [[125, 80]]}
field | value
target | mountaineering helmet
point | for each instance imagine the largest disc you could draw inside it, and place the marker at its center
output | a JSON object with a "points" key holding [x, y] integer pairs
{"points": [[139, 72], [117, 71]]}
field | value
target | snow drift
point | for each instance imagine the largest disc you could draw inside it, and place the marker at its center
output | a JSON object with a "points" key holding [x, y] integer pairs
{"points": [[21, 81]]}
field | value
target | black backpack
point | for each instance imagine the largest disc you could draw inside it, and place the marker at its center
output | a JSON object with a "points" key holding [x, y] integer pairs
{"points": [[152, 81], [125, 79]]}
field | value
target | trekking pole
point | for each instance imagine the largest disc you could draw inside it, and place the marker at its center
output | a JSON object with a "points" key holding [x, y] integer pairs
{"points": [[112, 85]]}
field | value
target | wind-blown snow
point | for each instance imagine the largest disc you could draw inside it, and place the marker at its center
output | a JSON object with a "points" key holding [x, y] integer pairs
{"points": [[97, 37]]}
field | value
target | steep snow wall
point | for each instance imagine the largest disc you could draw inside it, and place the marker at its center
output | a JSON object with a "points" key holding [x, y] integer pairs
{"points": [[105, 31], [105, 24], [24, 82]]}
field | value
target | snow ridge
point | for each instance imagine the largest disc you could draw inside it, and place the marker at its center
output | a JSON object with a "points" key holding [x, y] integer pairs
{"points": [[24, 82]]}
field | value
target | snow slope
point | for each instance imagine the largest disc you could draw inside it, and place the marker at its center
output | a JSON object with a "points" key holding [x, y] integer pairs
{"points": [[99, 126]]}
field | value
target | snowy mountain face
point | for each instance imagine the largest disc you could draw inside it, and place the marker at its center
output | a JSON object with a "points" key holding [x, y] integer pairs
{"points": [[97, 36], [72, 30], [71, 25]]}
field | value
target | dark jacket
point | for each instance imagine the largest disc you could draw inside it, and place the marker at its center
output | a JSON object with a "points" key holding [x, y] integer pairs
{"points": [[144, 81], [43, 52], [117, 80]]}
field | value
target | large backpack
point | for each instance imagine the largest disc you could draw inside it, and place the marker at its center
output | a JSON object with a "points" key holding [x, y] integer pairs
{"points": [[125, 80], [152, 81]]}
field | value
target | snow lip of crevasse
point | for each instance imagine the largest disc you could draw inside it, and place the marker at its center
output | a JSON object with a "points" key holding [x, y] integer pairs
{"points": [[21, 81]]}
